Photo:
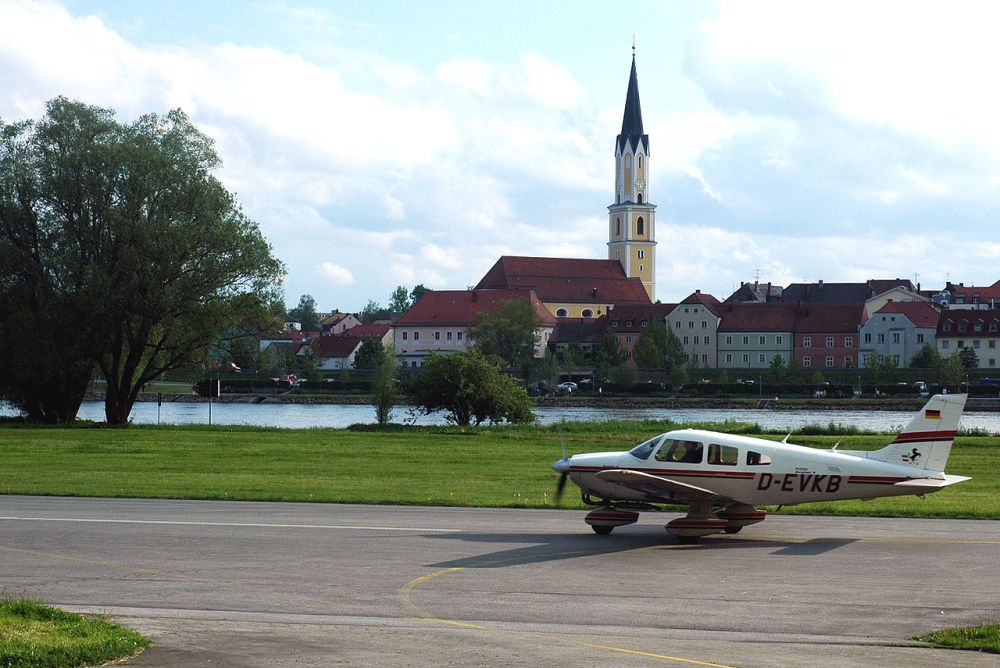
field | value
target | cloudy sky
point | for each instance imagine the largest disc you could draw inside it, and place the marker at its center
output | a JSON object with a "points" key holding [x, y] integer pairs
{"points": [[404, 142]]}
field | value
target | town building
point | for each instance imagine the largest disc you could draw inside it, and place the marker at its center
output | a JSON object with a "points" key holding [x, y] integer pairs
{"points": [[976, 329], [440, 320], [629, 321], [695, 321], [631, 219], [897, 331], [751, 335], [960, 296], [825, 336]]}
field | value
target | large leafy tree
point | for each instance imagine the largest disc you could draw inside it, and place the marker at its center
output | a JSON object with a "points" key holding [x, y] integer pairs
{"points": [[399, 300], [471, 387], [509, 332], [306, 314], [659, 348], [122, 232], [370, 354]]}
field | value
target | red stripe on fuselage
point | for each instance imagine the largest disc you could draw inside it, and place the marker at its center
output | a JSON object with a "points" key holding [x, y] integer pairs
{"points": [[875, 479], [748, 475]]}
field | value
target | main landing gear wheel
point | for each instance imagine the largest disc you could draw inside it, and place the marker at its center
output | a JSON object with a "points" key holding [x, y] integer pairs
{"points": [[732, 529], [601, 530]]}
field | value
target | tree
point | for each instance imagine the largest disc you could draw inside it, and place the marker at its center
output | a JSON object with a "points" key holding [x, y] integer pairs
{"points": [[305, 313], [399, 300], [778, 370], [659, 348], [925, 358], [417, 292], [384, 380], [471, 387], [510, 332], [125, 234], [968, 358], [371, 312], [369, 355], [624, 375]]}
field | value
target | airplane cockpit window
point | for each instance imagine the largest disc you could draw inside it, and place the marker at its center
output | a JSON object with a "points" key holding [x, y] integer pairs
{"points": [[725, 455], [643, 450], [757, 459], [684, 452]]}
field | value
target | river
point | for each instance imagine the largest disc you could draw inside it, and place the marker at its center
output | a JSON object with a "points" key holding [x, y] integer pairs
{"points": [[342, 415]]}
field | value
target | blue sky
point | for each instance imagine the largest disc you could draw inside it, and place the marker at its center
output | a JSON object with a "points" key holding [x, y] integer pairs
{"points": [[387, 143]]}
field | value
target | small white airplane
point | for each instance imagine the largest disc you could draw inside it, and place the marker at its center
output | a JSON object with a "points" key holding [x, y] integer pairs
{"points": [[721, 477]]}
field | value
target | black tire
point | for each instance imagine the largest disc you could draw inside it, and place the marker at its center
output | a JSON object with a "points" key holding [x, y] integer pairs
{"points": [[601, 530], [733, 529]]}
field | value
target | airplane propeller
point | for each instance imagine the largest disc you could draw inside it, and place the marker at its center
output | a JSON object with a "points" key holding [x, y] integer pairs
{"points": [[562, 468]]}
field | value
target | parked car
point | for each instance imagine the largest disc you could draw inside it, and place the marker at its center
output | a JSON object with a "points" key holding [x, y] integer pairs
{"points": [[568, 387]]}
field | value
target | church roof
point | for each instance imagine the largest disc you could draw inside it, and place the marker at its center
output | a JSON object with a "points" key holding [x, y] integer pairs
{"points": [[632, 119], [566, 280]]}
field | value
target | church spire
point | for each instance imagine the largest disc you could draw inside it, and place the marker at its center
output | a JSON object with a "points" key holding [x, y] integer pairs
{"points": [[632, 119]]}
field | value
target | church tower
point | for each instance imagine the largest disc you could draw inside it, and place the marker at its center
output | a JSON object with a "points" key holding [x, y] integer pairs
{"points": [[631, 232]]}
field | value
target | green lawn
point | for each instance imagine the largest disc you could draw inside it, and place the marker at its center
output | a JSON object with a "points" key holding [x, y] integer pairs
{"points": [[499, 466], [984, 638], [37, 636]]}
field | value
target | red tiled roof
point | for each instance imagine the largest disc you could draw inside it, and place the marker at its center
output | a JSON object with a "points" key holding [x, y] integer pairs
{"points": [[367, 331], [921, 314], [636, 314], [969, 292], [706, 300], [829, 318], [570, 280], [757, 317], [962, 323], [336, 346], [460, 307]]}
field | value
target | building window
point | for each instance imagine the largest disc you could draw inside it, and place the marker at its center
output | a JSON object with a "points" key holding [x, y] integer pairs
{"points": [[829, 342], [704, 358], [829, 362], [629, 323], [641, 253], [704, 324], [404, 336], [762, 359], [992, 361], [449, 336], [677, 325], [639, 160], [640, 225], [807, 362], [848, 341], [459, 336], [690, 324], [644, 323], [687, 357], [944, 344], [614, 323], [729, 340], [881, 338], [437, 336], [628, 339], [618, 226], [992, 344], [707, 341], [778, 340], [746, 359], [416, 336], [762, 340], [807, 342], [729, 358], [561, 312], [746, 340], [685, 341], [868, 337], [639, 200], [848, 362], [975, 344], [920, 338]]}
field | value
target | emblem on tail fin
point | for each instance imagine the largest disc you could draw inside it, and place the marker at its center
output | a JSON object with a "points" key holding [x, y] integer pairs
{"points": [[912, 458]]}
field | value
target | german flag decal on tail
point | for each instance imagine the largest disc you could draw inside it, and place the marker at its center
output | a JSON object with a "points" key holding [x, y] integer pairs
{"points": [[932, 414]]}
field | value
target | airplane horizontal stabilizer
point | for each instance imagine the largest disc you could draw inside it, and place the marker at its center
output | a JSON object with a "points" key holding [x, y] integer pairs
{"points": [[656, 487], [931, 484]]}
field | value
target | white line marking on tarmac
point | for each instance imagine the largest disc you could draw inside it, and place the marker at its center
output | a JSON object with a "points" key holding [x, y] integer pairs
{"points": [[229, 524]]}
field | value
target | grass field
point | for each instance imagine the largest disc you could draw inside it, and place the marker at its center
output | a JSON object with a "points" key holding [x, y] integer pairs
{"points": [[497, 466]]}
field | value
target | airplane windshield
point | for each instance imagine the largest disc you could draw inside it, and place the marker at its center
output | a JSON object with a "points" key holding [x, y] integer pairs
{"points": [[643, 450]]}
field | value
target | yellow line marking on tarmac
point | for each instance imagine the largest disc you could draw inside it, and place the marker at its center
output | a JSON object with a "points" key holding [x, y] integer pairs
{"points": [[657, 656], [405, 596], [102, 562]]}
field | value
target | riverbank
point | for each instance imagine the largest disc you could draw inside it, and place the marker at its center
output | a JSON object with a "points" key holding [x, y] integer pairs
{"points": [[593, 401]]}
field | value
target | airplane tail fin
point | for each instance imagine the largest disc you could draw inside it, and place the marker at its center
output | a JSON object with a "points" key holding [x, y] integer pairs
{"points": [[925, 442]]}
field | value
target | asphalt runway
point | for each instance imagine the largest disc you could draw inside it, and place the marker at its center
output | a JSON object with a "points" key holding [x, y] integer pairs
{"points": [[283, 584]]}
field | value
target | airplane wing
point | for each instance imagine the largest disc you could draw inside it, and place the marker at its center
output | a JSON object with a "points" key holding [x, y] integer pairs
{"points": [[658, 488]]}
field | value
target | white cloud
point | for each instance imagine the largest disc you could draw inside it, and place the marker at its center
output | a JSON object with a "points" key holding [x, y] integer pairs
{"points": [[335, 274]]}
